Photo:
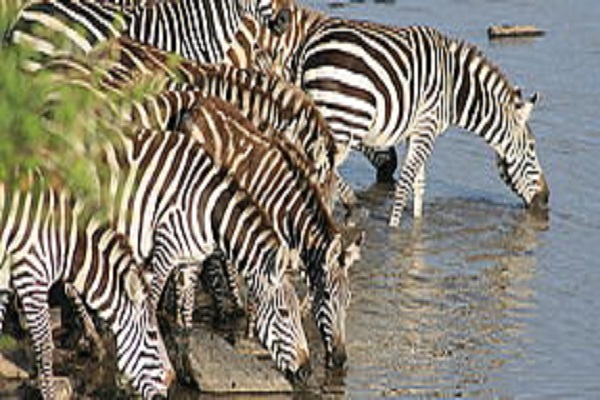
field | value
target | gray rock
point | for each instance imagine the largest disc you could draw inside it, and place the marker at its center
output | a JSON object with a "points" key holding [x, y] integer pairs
{"points": [[216, 367]]}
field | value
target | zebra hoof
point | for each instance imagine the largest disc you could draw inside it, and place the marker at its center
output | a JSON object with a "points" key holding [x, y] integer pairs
{"points": [[62, 388]]}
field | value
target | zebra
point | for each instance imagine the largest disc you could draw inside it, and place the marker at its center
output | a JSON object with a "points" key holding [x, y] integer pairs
{"points": [[165, 194], [269, 102], [200, 30], [178, 206], [166, 111], [47, 236], [378, 86], [266, 169]]}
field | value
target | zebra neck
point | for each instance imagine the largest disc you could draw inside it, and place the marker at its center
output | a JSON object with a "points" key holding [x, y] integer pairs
{"points": [[314, 251], [481, 93]]}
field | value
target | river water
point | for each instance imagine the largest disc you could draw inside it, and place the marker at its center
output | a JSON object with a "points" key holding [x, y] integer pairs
{"points": [[482, 299]]}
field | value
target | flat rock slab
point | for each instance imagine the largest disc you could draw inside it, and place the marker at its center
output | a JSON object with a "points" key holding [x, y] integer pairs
{"points": [[217, 367]]}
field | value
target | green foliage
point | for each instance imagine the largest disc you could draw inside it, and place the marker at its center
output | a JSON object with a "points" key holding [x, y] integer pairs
{"points": [[45, 125], [7, 343]]}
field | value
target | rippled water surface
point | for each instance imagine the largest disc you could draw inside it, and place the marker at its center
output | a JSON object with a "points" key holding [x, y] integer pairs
{"points": [[483, 300]]}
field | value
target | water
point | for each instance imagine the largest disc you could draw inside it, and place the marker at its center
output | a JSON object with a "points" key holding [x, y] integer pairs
{"points": [[483, 300]]}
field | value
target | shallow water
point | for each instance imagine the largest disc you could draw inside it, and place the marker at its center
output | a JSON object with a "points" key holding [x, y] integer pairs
{"points": [[484, 300]]}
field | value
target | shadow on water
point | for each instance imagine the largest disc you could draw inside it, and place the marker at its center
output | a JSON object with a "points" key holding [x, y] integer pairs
{"points": [[439, 307]]}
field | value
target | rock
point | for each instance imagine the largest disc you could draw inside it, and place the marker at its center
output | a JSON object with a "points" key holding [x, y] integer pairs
{"points": [[9, 370], [216, 367]]}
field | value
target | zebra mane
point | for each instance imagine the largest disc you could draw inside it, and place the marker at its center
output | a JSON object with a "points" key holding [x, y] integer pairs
{"points": [[460, 46]]}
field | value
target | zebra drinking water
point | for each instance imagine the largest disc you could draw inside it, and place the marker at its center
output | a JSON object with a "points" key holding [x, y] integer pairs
{"points": [[178, 206], [317, 237], [266, 169], [378, 86], [47, 236]]}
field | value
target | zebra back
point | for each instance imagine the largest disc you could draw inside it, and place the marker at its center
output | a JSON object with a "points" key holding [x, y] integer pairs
{"points": [[267, 101], [198, 30], [378, 86]]}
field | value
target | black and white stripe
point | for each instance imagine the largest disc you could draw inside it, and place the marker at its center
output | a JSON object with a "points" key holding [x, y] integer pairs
{"points": [[270, 103], [201, 30], [46, 237], [178, 206], [275, 176], [378, 86]]}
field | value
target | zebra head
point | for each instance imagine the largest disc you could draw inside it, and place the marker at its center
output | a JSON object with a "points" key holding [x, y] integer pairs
{"points": [[141, 354], [275, 14], [332, 294], [517, 159], [278, 321]]}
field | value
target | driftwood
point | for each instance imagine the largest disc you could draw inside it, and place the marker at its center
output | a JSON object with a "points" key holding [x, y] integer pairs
{"points": [[514, 31]]}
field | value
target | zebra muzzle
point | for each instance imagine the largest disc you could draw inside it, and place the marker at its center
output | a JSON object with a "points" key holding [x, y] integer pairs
{"points": [[539, 202], [337, 358]]}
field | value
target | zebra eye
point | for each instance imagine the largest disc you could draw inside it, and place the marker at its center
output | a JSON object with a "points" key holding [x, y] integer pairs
{"points": [[152, 334], [284, 312]]}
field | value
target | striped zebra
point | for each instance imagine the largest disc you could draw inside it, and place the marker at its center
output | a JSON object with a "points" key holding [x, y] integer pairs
{"points": [[266, 100], [178, 206], [378, 86], [201, 30], [266, 168], [47, 236], [328, 281]]}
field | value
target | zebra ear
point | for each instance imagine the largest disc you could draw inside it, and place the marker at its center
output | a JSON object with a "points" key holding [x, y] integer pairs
{"points": [[334, 251], [287, 261], [518, 92], [524, 108], [352, 240], [535, 97], [135, 286]]}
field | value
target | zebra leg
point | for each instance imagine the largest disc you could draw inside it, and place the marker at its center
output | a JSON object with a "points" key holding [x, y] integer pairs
{"points": [[419, 149], [345, 193], [419, 193], [89, 329], [37, 316], [219, 277], [385, 162], [4, 300], [185, 292], [250, 316]]}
